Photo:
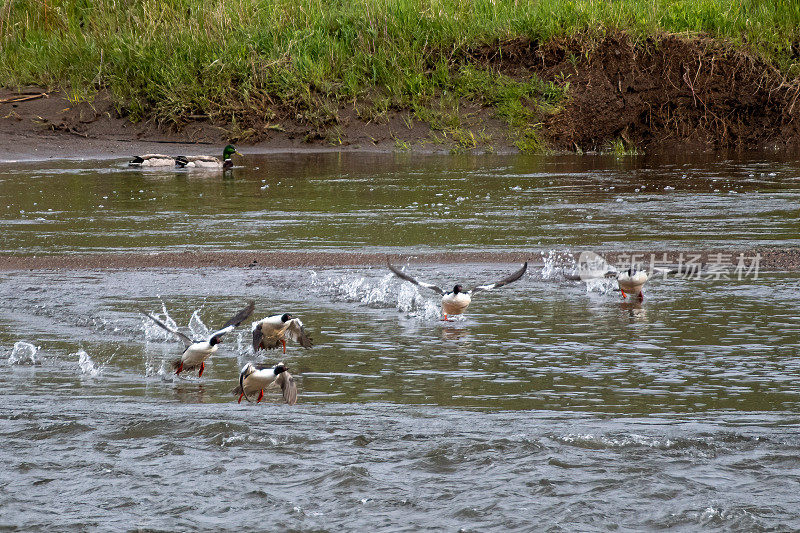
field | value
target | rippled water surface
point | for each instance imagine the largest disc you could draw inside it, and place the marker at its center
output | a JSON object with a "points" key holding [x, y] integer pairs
{"points": [[371, 202], [551, 405]]}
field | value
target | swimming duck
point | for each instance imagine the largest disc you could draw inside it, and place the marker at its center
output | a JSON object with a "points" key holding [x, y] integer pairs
{"points": [[269, 332], [456, 301], [631, 282], [152, 160], [254, 378], [197, 352], [207, 161]]}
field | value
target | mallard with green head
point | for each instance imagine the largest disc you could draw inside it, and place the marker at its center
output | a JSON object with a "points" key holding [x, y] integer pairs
{"points": [[207, 161]]}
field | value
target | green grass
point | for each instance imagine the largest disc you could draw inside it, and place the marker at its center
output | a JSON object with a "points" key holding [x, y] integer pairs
{"points": [[241, 60], [620, 148]]}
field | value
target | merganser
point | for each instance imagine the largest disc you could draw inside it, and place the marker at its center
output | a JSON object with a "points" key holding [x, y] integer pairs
{"points": [[631, 282], [197, 352], [273, 330], [256, 377], [456, 301]]}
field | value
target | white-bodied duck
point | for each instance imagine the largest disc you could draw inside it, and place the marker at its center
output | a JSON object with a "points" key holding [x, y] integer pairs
{"points": [[631, 282], [269, 332], [255, 377], [456, 301], [196, 352]]}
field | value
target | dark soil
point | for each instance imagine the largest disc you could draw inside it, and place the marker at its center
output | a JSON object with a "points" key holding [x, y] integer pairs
{"points": [[696, 92]]}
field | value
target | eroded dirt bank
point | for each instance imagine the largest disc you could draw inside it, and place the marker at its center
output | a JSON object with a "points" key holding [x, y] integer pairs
{"points": [[698, 91], [659, 92]]}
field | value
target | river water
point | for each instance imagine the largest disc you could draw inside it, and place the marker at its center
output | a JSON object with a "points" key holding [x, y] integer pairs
{"points": [[553, 404]]}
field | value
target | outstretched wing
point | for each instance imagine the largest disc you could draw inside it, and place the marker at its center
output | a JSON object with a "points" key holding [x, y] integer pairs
{"points": [[288, 387], [403, 275], [237, 319], [505, 281], [297, 333], [240, 389], [183, 337], [217, 335], [241, 316]]}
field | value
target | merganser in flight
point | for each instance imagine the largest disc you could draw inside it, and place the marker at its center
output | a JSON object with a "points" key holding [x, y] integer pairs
{"points": [[457, 301], [273, 330], [197, 352], [254, 378], [631, 282]]}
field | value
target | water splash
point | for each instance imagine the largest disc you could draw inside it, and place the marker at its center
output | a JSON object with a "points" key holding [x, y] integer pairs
{"points": [[558, 266], [601, 285], [413, 304], [593, 270], [243, 347], [155, 366], [87, 366], [24, 353], [162, 370], [352, 288], [154, 332], [383, 294], [198, 329]]}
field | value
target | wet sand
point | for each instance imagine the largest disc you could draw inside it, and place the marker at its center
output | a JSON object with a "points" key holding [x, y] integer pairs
{"points": [[770, 259], [47, 146]]}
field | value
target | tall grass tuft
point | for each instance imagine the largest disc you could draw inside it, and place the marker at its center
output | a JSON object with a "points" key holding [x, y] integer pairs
{"points": [[171, 58]]}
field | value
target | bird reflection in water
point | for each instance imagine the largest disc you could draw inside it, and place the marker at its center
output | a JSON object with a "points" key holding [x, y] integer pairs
{"points": [[186, 392], [634, 309], [450, 333]]}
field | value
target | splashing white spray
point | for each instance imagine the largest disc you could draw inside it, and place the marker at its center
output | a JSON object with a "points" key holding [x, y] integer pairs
{"points": [[385, 293], [558, 265], [85, 363], [199, 330], [24, 353]]}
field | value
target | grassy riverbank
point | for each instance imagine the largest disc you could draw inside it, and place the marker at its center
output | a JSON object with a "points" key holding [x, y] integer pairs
{"points": [[254, 64]]}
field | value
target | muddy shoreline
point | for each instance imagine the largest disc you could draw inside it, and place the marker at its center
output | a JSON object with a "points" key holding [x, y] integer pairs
{"points": [[769, 259], [53, 128], [667, 92]]}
